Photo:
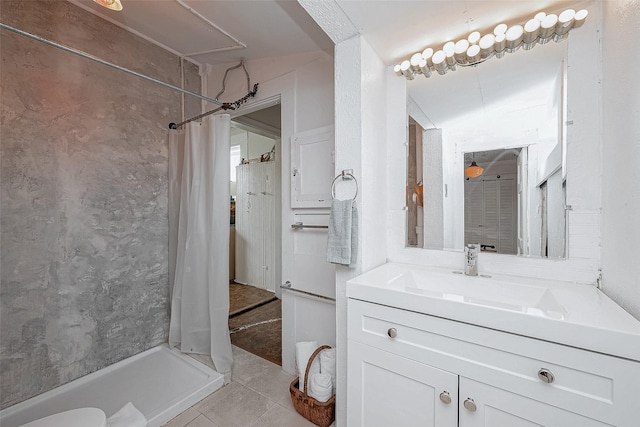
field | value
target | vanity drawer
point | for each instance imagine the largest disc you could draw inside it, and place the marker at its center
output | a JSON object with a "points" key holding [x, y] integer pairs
{"points": [[602, 387]]}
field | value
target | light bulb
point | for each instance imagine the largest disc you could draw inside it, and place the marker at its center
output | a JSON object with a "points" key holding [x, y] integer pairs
{"points": [[427, 54], [531, 31], [500, 29], [578, 20], [461, 51], [514, 37], [415, 61], [565, 23], [451, 61], [424, 68], [540, 16], [547, 28], [474, 37], [473, 54], [397, 70], [500, 45], [439, 62], [486, 44], [405, 66], [566, 16], [448, 47]]}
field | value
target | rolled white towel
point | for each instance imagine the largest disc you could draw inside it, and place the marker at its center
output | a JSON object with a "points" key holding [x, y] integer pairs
{"points": [[128, 416], [328, 365], [304, 350], [320, 387]]}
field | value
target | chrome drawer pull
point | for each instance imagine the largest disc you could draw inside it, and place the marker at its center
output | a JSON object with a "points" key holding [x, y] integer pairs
{"points": [[392, 332], [445, 397], [546, 376], [470, 404]]}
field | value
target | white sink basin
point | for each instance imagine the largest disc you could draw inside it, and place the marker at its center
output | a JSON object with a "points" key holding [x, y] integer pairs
{"points": [[538, 301], [577, 315]]}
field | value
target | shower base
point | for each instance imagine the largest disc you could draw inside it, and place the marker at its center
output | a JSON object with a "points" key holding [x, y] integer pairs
{"points": [[160, 382]]}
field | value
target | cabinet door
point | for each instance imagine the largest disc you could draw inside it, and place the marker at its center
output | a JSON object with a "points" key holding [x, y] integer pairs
{"points": [[482, 405], [388, 390], [312, 168]]}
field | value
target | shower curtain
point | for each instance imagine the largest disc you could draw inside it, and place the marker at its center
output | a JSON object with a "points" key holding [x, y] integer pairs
{"points": [[199, 240]]}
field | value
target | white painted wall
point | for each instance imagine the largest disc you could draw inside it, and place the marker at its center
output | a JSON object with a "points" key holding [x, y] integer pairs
{"points": [[621, 154], [360, 143], [251, 144]]}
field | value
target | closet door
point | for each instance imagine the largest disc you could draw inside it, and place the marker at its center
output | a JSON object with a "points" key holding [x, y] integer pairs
{"points": [[490, 214], [248, 227], [255, 225]]}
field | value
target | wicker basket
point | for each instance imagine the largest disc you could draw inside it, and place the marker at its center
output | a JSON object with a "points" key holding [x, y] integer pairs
{"points": [[320, 413]]}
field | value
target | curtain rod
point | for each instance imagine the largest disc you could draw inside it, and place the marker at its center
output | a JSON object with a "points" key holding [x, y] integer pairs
{"points": [[102, 61], [225, 106]]}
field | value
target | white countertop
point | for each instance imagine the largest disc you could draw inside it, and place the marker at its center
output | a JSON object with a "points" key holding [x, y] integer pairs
{"points": [[570, 314]]}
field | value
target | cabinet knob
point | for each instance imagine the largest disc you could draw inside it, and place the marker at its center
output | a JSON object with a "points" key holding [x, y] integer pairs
{"points": [[546, 376], [392, 332], [470, 404], [445, 397]]}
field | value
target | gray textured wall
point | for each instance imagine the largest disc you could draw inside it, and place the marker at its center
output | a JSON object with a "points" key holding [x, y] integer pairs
{"points": [[84, 230]]}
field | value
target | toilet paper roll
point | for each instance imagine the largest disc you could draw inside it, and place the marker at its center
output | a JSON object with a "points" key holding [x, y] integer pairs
{"points": [[328, 365], [304, 350]]}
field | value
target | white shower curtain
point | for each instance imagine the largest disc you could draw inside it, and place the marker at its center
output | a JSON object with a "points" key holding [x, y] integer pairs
{"points": [[199, 240]]}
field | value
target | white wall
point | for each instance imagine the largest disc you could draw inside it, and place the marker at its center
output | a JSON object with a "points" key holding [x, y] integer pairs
{"points": [[252, 145], [621, 155], [313, 87], [360, 141]]}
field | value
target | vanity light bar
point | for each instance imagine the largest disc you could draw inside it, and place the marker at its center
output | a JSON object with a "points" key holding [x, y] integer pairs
{"points": [[477, 48]]}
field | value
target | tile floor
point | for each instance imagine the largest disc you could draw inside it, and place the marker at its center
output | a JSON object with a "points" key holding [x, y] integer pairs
{"points": [[258, 395]]}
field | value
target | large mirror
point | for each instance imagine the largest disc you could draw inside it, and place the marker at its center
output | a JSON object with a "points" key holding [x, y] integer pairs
{"points": [[485, 156]]}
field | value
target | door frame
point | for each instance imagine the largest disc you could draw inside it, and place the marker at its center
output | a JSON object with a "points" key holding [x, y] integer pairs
{"points": [[281, 90]]}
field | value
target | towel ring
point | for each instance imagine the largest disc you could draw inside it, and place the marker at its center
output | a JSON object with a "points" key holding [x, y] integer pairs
{"points": [[344, 175]]}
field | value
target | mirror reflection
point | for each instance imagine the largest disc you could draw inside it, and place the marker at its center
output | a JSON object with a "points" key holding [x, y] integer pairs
{"points": [[489, 172], [490, 200]]}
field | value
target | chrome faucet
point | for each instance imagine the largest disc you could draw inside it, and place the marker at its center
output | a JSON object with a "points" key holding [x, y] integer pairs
{"points": [[471, 252]]}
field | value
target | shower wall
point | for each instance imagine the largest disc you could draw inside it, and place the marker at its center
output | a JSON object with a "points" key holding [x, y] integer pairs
{"points": [[83, 212]]}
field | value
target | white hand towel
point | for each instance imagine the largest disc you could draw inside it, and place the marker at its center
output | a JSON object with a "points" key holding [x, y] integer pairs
{"points": [[342, 244], [128, 416], [304, 350], [328, 365]]}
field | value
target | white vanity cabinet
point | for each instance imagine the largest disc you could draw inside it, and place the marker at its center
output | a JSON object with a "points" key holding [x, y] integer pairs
{"points": [[395, 391], [413, 369]]}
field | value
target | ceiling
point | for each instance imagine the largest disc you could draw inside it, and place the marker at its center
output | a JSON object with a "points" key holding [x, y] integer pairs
{"points": [[219, 31], [222, 31]]}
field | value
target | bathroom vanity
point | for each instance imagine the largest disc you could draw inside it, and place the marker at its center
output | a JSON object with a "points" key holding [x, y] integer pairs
{"points": [[431, 347]]}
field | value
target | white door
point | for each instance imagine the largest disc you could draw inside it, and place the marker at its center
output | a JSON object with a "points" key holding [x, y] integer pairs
{"points": [[389, 390], [308, 305], [256, 244], [484, 406]]}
